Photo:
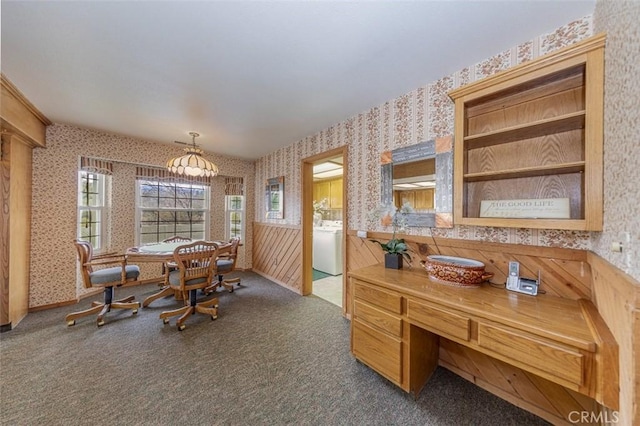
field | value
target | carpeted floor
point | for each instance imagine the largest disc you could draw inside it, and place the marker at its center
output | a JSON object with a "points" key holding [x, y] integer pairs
{"points": [[271, 358]]}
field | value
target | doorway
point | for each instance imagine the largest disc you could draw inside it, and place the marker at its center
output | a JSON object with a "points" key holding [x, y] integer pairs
{"points": [[324, 225]]}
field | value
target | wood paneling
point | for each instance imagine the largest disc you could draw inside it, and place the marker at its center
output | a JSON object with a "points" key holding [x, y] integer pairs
{"points": [[5, 172], [617, 297], [548, 400], [565, 272], [23, 127], [277, 254], [20, 228]]}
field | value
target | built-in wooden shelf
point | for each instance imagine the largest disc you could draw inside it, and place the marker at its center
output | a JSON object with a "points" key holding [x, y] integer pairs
{"points": [[562, 123], [534, 131], [553, 169]]}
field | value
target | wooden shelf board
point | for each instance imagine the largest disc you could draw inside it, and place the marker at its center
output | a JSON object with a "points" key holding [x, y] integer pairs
{"points": [[534, 129], [501, 222], [554, 169]]}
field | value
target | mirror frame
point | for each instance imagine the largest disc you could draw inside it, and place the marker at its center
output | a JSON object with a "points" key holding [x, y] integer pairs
{"points": [[442, 150], [275, 187]]}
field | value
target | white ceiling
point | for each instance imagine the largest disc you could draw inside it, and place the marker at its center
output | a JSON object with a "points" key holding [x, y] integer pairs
{"points": [[249, 76]]}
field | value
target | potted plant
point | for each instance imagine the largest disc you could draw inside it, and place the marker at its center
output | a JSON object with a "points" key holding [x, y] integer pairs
{"points": [[319, 209], [395, 250]]}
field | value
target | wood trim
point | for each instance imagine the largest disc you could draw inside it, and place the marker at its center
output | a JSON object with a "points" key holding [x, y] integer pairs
{"points": [[306, 167], [11, 88], [19, 116], [572, 51], [617, 298], [5, 171]]}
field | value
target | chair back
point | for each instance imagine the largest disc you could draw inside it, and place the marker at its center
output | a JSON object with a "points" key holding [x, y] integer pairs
{"points": [[177, 239], [196, 260], [233, 251], [85, 254]]}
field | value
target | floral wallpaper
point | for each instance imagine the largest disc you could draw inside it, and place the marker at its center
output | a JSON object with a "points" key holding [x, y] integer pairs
{"points": [[54, 277], [425, 113], [619, 20]]}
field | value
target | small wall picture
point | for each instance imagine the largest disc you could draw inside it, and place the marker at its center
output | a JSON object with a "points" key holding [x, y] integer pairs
{"points": [[275, 198]]}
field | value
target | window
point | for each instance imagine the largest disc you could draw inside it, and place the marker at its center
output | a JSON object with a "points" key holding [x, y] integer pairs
{"points": [[234, 214], [165, 209], [92, 208]]}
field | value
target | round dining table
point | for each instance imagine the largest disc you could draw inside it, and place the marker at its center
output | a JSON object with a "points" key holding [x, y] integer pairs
{"points": [[163, 252]]}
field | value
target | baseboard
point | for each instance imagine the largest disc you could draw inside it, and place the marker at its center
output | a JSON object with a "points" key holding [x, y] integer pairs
{"points": [[53, 305], [280, 283], [5, 328]]}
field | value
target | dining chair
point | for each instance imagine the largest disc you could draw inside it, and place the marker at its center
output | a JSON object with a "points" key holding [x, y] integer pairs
{"points": [[225, 264], [107, 278], [167, 267], [196, 267]]}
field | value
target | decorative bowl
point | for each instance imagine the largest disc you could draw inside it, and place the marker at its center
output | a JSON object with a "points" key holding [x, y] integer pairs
{"points": [[456, 271]]}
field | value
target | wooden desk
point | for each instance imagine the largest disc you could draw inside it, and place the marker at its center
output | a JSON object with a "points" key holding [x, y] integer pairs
{"points": [[400, 319]]}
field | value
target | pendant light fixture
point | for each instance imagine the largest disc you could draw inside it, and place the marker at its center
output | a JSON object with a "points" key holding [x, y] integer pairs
{"points": [[192, 163]]}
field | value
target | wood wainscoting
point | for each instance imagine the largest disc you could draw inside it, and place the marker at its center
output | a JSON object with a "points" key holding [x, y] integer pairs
{"points": [[277, 254]]}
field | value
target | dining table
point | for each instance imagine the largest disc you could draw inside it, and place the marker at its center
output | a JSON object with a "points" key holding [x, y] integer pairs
{"points": [[163, 253]]}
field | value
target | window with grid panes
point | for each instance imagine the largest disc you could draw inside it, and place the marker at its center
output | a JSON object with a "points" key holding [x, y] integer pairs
{"points": [[166, 209], [93, 209], [234, 216]]}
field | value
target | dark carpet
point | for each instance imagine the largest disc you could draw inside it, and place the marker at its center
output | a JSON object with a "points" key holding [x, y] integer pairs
{"points": [[271, 358]]}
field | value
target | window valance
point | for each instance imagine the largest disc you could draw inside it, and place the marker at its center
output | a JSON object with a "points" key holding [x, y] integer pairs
{"points": [[233, 186], [155, 173], [95, 165]]}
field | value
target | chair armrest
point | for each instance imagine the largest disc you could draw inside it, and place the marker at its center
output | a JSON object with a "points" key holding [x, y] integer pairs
{"points": [[105, 255], [121, 259]]}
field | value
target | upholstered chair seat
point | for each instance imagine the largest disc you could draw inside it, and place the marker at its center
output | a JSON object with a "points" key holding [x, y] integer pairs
{"points": [[107, 278], [107, 275]]}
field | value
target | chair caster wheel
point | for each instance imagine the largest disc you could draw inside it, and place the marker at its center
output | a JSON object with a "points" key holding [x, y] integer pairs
{"points": [[100, 323], [70, 323], [214, 317], [165, 320], [182, 327], [135, 311], [231, 291]]}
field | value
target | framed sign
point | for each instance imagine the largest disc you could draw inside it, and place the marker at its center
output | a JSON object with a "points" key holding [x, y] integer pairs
{"points": [[275, 198]]}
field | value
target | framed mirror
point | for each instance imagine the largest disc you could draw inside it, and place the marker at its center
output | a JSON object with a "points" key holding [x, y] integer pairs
{"points": [[274, 201], [421, 174]]}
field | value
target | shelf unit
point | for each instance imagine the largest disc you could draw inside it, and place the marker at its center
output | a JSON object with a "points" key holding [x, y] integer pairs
{"points": [[534, 131]]}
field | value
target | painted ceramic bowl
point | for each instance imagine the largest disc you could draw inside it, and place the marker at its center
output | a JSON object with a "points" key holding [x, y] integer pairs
{"points": [[457, 271]]}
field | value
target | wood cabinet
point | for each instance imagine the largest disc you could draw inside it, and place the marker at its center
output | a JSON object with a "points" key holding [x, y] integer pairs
{"points": [[420, 199], [329, 189], [400, 318], [533, 132]]}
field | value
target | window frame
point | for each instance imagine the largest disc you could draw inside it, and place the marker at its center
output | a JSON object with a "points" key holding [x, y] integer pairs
{"points": [[140, 209], [228, 211], [102, 210]]}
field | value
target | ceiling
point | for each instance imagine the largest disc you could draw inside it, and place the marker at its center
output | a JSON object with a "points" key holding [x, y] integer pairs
{"points": [[249, 76]]}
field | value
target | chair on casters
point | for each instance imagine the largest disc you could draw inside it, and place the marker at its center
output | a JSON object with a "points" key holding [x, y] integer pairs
{"points": [[166, 268], [108, 278], [226, 263], [196, 264]]}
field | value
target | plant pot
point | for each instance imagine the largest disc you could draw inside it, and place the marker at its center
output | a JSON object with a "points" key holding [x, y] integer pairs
{"points": [[393, 260]]}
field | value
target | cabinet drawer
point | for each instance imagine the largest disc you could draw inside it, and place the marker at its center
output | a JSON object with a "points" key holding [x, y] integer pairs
{"points": [[378, 350], [378, 318], [384, 299], [438, 320], [559, 361]]}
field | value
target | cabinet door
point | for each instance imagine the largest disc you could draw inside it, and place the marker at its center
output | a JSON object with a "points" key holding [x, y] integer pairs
{"points": [[378, 350], [322, 190], [424, 199], [336, 194]]}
